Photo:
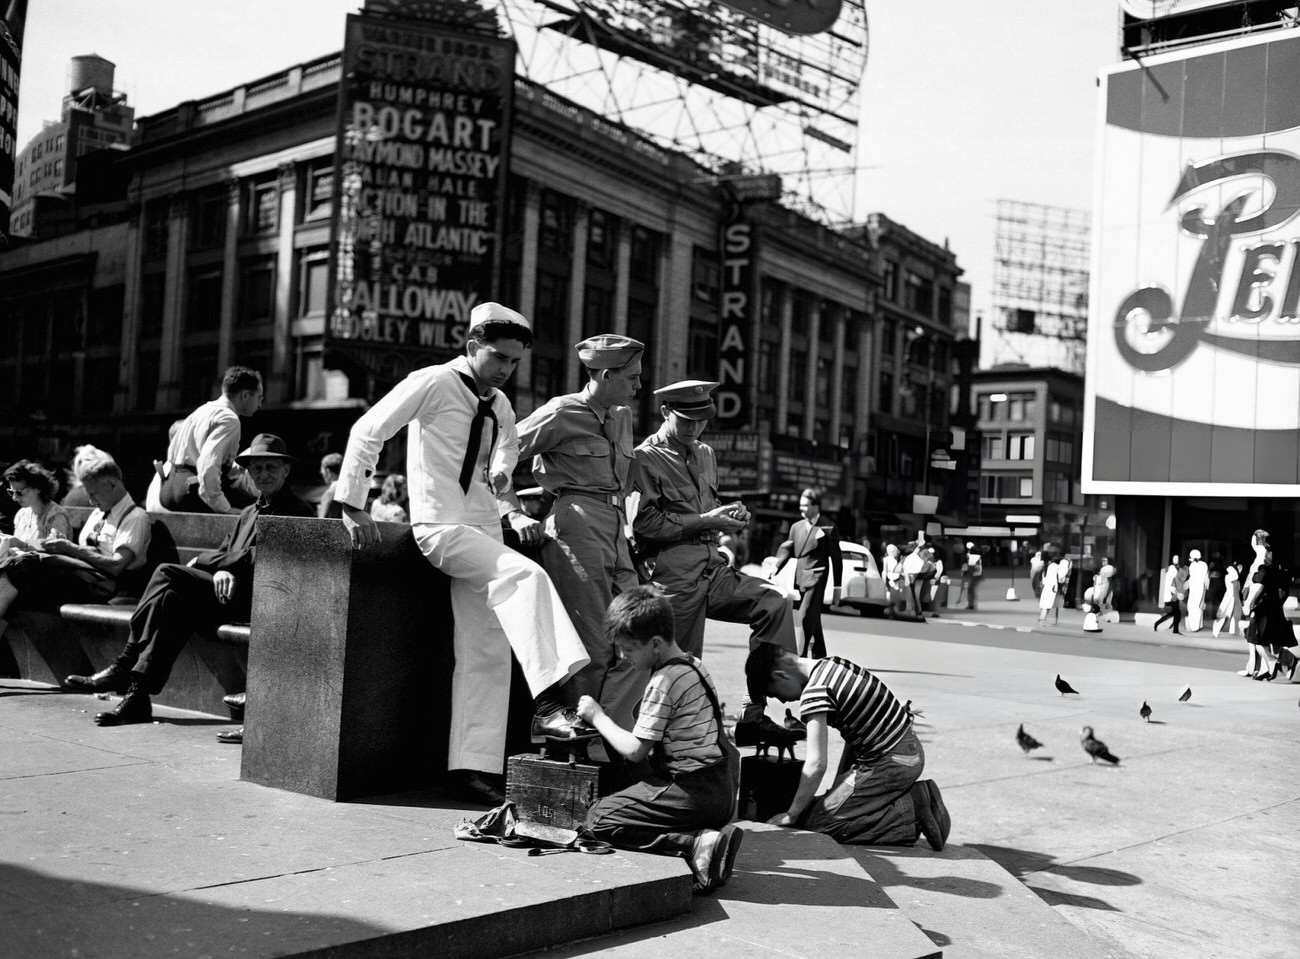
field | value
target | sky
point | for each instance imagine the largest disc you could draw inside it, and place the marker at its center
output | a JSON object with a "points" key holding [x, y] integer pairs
{"points": [[964, 102]]}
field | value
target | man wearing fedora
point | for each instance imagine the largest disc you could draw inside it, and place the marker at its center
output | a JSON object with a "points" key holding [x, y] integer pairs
{"points": [[581, 449], [215, 587], [677, 526], [462, 447]]}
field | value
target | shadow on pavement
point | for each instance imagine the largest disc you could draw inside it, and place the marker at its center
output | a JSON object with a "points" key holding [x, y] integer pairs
{"points": [[1022, 863], [884, 871], [122, 921]]}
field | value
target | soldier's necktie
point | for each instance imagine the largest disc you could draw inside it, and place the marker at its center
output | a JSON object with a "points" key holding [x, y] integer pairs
{"points": [[483, 413]]}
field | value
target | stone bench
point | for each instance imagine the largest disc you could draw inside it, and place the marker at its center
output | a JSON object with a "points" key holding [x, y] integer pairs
{"points": [[349, 681], [85, 638]]}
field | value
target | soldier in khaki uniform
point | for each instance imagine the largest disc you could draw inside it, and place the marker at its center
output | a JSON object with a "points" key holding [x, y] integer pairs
{"points": [[677, 525], [581, 447]]}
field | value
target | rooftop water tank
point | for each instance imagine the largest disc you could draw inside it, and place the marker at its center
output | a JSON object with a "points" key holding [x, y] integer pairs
{"points": [[91, 70]]}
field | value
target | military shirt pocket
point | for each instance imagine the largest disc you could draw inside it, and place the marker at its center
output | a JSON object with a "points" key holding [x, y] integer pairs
{"points": [[593, 446]]}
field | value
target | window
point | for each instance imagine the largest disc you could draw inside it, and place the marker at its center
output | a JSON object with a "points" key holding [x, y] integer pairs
{"points": [[556, 234], [985, 409], [798, 374], [945, 306], [152, 294], [706, 276], [104, 327], [602, 239], [644, 265], [886, 392], [205, 301], [199, 378], [918, 294], [891, 281], [997, 486], [263, 212], [552, 310], [822, 386], [826, 328], [888, 337], [702, 350], [256, 292], [1056, 487], [319, 201], [313, 282], [1020, 446], [209, 226], [993, 447], [155, 228], [597, 310]]}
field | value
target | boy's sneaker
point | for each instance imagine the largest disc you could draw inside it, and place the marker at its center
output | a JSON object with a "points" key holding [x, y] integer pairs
{"points": [[701, 858], [925, 815], [940, 810]]}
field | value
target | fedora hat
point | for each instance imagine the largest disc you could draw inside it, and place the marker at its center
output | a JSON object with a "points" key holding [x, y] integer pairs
{"points": [[265, 446]]}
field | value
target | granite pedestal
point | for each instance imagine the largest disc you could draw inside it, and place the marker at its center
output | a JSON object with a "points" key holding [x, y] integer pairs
{"points": [[349, 668]]}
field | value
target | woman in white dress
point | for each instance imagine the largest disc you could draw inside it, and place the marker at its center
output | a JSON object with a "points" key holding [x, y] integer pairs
{"points": [[1198, 582], [1049, 591], [1229, 611]]}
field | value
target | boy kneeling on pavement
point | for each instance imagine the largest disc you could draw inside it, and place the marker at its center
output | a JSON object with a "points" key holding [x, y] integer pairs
{"points": [[878, 797], [684, 806]]}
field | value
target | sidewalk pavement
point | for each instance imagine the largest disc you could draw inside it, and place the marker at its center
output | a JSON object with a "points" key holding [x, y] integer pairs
{"points": [[141, 841]]}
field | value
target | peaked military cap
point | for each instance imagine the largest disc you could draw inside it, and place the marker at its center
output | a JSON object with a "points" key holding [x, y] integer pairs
{"points": [[608, 351], [692, 399], [496, 313]]}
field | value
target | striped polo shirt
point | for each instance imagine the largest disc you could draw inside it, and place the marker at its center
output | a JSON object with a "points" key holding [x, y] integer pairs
{"points": [[676, 711], [860, 706]]}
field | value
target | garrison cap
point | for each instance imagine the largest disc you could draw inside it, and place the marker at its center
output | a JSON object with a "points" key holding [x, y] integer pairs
{"points": [[496, 313], [692, 399], [608, 351]]}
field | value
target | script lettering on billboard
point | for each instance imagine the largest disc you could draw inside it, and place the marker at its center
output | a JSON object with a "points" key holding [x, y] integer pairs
{"points": [[421, 169], [1196, 276]]}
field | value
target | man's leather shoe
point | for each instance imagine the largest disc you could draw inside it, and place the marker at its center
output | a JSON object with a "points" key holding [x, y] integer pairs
{"points": [[767, 733], [561, 724], [134, 708], [231, 735], [236, 702], [114, 679], [472, 786]]}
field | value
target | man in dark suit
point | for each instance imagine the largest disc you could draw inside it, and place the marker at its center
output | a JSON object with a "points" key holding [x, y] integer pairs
{"points": [[814, 545], [213, 588]]}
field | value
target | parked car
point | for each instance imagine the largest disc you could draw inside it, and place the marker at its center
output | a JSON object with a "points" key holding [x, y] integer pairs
{"points": [[864, 587]]}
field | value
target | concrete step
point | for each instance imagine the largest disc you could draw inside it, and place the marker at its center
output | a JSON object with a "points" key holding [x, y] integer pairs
{"points": [[793, 894], [972, 907], [142, 841]]}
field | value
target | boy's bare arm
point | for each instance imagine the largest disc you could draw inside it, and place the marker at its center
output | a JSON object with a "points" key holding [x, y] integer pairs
{"points": [[810, 779], [629, 746]]}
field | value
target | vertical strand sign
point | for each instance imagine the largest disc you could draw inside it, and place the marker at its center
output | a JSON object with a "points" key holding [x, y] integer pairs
{"points": [[419, 186], [11, 42]]}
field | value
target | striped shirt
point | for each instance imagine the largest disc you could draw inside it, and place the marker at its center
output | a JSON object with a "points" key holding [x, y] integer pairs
{"points": [[675, 710], [860, 706]]}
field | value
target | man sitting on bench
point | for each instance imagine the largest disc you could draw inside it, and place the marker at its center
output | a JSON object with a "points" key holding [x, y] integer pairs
{"points": [[215, 587]]}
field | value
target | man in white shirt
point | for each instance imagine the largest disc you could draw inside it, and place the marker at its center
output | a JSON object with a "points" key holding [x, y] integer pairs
{"points": [[1170, 595], [462, 447], [197, 476], [114, 540]]}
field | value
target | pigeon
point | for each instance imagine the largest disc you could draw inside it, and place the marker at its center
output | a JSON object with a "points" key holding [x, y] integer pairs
{"points": [[792, 723], [1026, 741], [1187, 694], [1145, 711], [1095, 748], [1063, 687]]}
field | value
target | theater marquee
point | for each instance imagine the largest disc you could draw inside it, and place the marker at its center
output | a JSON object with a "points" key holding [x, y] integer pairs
{"points": [[1193, 378], [424, 117]]}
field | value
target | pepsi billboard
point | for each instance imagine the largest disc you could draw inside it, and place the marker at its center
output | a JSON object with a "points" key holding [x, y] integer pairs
{"points": [[1193, 373]]}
